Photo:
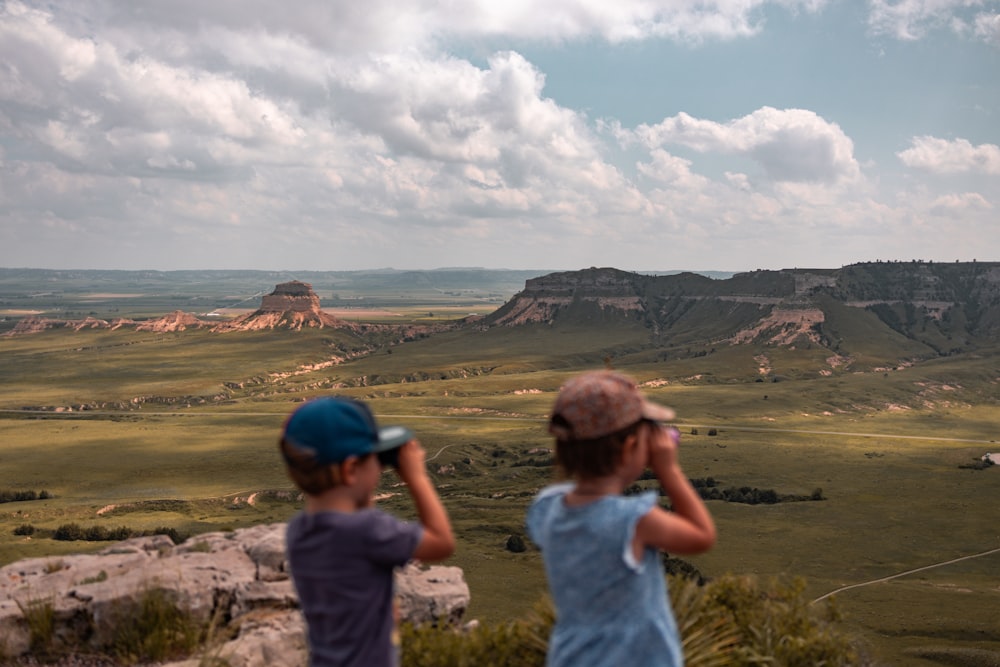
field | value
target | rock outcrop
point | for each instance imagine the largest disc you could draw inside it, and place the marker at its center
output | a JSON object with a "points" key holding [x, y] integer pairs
{"points": [[291, 305], [237, 580], [178, 320], [175, 321]]}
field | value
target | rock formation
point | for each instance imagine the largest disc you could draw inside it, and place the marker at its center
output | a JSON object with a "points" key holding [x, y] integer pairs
{"points": [[175, 321], [291, 305], [935, 308], [238, 580]]}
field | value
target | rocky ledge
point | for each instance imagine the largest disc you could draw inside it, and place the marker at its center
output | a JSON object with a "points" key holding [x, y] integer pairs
{"points": [[236, 580]]}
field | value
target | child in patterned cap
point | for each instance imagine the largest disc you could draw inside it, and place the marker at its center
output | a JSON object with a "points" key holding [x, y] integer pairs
{"points": [[601, 548]]}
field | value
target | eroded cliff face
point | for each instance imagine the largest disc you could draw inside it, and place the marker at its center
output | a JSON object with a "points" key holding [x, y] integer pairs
{"points": [[175, 321], [944, 307], [545, 297]]}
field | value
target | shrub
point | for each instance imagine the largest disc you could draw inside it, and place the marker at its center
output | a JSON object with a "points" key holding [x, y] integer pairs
{"points": [[40, 616], [731, 621], [25, 529], [521, 643], [154, 629], [54, 566], [515, 544], [778, 625], [100, 577], [68, 532], [175, 536]]}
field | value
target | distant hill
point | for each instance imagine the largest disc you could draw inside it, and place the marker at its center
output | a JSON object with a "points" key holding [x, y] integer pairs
{"points": [[883, 311], [871, 314]]}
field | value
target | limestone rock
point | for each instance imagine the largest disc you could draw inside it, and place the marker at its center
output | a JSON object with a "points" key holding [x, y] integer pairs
{"points": [[240, 579], [437, 593]]}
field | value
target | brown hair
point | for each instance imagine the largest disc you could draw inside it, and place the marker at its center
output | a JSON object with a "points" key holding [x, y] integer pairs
{"points": [[309, 475], [592, 458]]}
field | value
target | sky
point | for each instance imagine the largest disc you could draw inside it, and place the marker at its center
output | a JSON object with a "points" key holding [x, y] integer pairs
{"points": [[645, 135]]}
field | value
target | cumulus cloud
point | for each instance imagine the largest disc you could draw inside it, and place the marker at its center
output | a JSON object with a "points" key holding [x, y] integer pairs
{"points": [[670, 170], [951, 157], [367, 131], [789, 144]]}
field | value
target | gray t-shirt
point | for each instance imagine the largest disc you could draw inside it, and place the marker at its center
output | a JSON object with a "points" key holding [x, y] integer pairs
{"points": [[611, 609], [342, 566]]}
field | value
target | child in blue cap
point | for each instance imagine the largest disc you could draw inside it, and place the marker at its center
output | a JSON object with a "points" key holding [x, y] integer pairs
{"points": [[600, 547], [341, 549]]}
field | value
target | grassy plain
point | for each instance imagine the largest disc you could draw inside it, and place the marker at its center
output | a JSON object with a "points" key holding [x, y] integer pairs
{"points": [[198, 453]]}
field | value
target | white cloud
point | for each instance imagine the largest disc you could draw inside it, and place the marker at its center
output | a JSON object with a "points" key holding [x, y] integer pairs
{"points": [[949, 157], [987, 27], [910, 20], [958, 204], [342, 133], [343, 26], [791, 145]]}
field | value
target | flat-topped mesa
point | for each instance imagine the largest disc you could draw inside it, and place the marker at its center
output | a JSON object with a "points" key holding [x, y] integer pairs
{"points": [[291, 305], [592, 282], [294, 296]]}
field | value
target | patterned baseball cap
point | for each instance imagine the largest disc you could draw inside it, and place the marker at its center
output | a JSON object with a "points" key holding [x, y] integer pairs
{"points": [[599, 403]]}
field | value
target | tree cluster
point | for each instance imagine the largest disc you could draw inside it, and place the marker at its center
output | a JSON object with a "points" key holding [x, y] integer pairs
{"points": [[71, 532], [7, 496], [708, 489]]}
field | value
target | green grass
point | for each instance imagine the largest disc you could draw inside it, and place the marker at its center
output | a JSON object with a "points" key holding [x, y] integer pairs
{"points": [[885, 447]]}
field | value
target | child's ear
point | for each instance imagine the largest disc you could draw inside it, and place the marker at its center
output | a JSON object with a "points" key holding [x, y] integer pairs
{"points": [[628, 446], [346, 470]]}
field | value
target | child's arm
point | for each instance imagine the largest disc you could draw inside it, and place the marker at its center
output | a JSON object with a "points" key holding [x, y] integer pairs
{"points": [[689, 529], [437, 542]]}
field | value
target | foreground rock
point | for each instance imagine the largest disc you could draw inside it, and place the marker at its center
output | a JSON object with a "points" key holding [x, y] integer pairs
{"points": [[236, 581]]}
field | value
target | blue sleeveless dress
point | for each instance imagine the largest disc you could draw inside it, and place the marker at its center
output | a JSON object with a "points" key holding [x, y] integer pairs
{"points": [[611, 611]]}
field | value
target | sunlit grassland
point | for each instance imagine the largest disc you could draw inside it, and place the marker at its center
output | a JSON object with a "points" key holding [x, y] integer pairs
{"points": [[885, 447], [420, 314], [56, 368]]}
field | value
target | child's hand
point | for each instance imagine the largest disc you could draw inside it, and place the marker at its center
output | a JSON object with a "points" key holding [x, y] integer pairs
{"points": [[663, 443], [411, 461]]}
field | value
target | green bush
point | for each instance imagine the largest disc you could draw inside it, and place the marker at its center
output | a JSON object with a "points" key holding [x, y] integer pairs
{"points": [[7, 496], [25, 529], [729, 622], [778, 625], [71, 532], [520, 643]]}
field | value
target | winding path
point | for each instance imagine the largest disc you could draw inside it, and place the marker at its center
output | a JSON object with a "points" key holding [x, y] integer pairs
{"points": [[903, 574]]}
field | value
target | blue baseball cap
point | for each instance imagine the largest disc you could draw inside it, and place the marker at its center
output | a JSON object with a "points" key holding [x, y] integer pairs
{"points": [[336, 428]]}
